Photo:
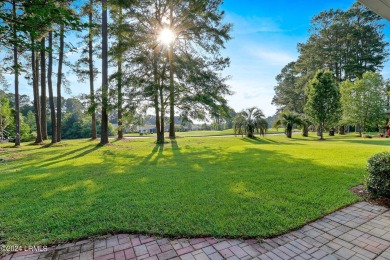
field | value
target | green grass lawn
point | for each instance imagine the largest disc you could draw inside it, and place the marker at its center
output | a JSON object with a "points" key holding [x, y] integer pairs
{"points": [[205, 133], [224, 187]]}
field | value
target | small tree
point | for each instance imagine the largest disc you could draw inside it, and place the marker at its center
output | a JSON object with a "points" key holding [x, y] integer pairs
{"points": [[364, 101], [249, 121], [323, 105], [5, 117], [288, 120]]}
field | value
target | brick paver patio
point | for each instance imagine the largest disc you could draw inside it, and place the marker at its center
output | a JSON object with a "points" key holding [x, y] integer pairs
{"points": [[360, 231]]}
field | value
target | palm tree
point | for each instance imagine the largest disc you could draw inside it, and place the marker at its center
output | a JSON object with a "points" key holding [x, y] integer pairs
{"points": [[288, 120], [239, 124], [249, 121], [305, 126], [263, 126]]}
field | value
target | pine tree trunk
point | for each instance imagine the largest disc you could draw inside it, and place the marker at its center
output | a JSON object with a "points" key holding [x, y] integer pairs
{"points": [[120, 129], [37, 111], [59, 82], [289, 132], [51, 96], [342, 130], [160, 139], [162, 114], [160, 134], [16, 71], [172, 133], [104, 129], [162, 125], [305, 131], [43, 90], [91, 76]]}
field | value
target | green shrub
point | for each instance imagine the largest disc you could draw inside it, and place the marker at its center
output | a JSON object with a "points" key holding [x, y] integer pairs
{"points": [[378, 174], [28, 138]]}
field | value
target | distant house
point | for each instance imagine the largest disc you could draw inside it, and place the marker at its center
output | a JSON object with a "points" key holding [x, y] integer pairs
{"points": [[194, 127], [146, 129], [150, 129]]}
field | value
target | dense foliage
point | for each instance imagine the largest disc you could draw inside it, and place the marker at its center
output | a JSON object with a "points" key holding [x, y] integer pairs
{"points": [[75, 119], [323, 105], [7, 122], [364, 101], [378, 174], [289, 94]]}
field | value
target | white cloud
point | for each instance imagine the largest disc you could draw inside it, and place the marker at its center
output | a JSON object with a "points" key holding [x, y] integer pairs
{"points": [[270, 56], [252, 92]]}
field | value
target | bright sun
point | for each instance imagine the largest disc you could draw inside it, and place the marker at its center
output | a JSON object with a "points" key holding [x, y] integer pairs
{"points": [[166, 36]]}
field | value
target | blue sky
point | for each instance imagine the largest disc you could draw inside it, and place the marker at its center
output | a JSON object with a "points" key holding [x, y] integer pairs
{"points": [[265, 37]]}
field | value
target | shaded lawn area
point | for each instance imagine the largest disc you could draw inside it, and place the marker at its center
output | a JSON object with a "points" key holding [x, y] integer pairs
{"points": [[224, 187]]}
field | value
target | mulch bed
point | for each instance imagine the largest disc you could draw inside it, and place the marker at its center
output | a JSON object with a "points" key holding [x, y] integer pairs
{"points": [[367, 196]]}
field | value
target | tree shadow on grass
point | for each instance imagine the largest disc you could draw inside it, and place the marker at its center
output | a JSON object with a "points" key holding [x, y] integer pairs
{"points": [[10, 147], [55, 145], [157, 149], [264, 140], [175, 147], [270, 140], [62, 157]]}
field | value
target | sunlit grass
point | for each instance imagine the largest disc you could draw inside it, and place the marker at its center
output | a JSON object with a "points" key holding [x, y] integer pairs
{"points": [[225, 187]]}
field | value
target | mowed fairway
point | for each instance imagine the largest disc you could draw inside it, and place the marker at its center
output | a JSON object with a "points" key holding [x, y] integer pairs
{"points": [[224, 187]]}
